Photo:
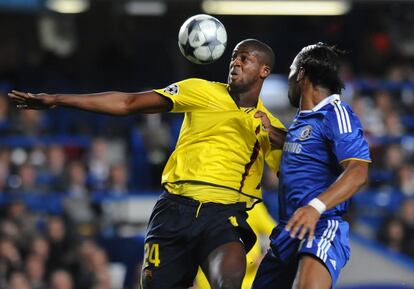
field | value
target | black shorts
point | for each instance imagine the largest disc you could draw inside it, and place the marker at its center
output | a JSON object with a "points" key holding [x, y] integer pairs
{"points": [[181, 234]]}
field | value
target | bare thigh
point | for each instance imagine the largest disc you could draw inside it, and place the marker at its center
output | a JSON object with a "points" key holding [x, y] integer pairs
{"points": [[312, 274], [225, 266]]}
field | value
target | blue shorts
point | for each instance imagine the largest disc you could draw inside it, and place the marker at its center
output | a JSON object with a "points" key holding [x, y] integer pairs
{"points": [[279, 266]]}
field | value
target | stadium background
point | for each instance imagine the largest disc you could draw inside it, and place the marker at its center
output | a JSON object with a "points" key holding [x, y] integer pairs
{"points": [[76, 188]]}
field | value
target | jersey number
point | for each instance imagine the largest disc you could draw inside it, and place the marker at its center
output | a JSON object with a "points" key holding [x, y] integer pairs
{"points": [[152, 254]]}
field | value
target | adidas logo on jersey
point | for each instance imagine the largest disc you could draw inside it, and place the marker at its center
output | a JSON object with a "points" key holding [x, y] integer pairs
{"points": [[333, 262]]}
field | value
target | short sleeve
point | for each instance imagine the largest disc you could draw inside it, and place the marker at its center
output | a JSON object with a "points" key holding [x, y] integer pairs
{"points": [[345, 133], [187, 95]]}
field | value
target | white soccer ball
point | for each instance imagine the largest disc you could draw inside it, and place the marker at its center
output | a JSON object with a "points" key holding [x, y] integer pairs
{"points": [[202, 39]]}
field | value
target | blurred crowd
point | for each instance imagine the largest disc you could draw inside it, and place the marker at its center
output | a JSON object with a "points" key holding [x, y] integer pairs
{"points": [[386, 110], [40, 252]]}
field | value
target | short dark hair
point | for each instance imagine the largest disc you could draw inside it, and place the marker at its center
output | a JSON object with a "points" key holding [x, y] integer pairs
{"points": [[321, 65], [267, 56]]}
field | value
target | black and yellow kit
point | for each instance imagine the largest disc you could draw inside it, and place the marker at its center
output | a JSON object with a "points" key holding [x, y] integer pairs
{"points": [[212, 176]]}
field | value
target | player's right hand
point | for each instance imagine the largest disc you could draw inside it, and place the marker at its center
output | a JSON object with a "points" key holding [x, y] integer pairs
{"points": [[25, 100]]}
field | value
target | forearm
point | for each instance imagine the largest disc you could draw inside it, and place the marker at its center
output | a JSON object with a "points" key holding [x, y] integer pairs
{"points": [[348, 183], [277, 137], [110, 102]]}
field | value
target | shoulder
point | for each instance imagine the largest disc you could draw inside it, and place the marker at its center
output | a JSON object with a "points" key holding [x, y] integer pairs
{"points": [[340, 117], [201, 82], [193, 86], [201, 86]]}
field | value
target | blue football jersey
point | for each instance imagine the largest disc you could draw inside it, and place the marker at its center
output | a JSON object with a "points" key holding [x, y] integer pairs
{"points": [[317, 142]]}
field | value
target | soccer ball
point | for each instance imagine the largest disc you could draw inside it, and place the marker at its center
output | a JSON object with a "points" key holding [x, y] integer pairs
{"points": [[202, 39]]}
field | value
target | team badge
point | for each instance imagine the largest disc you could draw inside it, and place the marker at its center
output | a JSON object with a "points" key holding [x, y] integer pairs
{"points": [[172, 89], [305, 133]]}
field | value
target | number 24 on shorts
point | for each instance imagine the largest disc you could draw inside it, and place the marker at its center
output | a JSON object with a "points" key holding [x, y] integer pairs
{"points": [[152, 254]]}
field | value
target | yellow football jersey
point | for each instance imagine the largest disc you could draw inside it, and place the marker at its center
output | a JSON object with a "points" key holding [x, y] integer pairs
{"points": [[220, 144]]}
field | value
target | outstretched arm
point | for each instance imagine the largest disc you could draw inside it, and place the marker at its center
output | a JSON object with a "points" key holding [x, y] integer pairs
{"points": [[348, 183], [111, 102]]}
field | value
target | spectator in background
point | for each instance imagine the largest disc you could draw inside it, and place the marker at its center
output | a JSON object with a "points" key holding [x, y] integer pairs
{"points": [[76, 184], [406, 179], [392, 234], [383, 102], [59, 243], [18, 223], [118, 180], [371, 117], [407, 217], [39, 247], [35, 271], [83, 264], [61, 279], [100, 266], [25, 182], [98, 163], [56, 161], [77, 203], [30, 123], [4, 113], [393, 125], [393, 157], [10, 258], [157, 137], [4, 169], [18, 281]]}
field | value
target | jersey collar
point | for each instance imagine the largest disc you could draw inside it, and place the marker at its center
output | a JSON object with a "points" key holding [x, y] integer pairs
{"points": [[327, 100]]}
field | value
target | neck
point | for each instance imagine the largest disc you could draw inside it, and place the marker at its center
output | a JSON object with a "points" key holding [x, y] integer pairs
{"points": [[312, 95], [246, 99]]}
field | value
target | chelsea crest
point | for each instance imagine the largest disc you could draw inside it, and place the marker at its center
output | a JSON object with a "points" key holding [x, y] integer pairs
{"points": [[305, 133]]}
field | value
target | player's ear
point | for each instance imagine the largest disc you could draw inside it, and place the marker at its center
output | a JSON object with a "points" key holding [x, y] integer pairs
{"points": [[265, 71], [301, 74]]}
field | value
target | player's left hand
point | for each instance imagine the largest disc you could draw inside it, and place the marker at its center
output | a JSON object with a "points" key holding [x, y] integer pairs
{"points": [[303, 222]]}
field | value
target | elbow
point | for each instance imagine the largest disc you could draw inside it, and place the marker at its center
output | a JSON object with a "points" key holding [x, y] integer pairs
{"points": [[361, 176], [129, 105], [363, 181], [124, 108]]}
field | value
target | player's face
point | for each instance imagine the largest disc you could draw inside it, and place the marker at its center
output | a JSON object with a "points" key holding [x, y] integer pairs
{"points": [[294, 91], [244, 70]]}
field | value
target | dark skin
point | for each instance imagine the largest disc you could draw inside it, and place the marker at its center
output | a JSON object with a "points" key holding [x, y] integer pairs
{"points": [[311, 273], [225, 266]]}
